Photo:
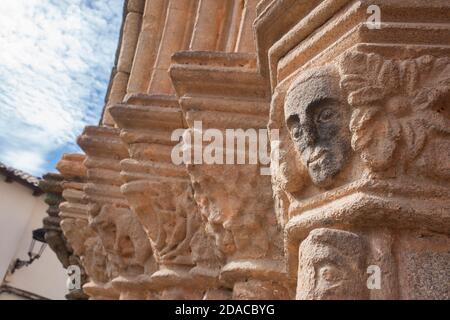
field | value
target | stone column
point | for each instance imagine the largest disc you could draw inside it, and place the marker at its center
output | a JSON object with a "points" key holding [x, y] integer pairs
{"points": [[57, 240], [210, 26], [244, 40], [51, 185], [153, 18], [121, 239], [224, 26], [223, 92], [74, 209], [159, 191], [129, 34], [176, 36], [361, 110]]}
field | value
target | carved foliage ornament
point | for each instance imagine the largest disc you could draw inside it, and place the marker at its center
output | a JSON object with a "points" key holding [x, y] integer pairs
{"points": [[364, 113], [123, 239], [166, 209], [396, 105], [237, 222], [384, 110]]}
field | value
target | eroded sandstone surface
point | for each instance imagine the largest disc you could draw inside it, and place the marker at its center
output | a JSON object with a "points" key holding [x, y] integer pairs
{"points": [[357, 116]]}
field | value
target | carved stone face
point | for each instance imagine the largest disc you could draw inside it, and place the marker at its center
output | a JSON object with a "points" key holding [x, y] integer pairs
{"points": [[318, 123], [331, 266]]}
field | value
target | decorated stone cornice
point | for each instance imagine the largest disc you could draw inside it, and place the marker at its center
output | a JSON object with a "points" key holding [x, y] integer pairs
{"points": [[316, 32]]}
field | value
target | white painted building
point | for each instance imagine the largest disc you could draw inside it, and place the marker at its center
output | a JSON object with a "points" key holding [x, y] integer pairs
{"points": [[22, 209]]}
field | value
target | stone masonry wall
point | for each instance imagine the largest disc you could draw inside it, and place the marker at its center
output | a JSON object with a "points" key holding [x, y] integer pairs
{"points": [[349, 99]]}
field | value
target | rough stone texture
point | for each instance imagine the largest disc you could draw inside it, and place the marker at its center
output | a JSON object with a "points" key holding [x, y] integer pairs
{"points": [[360, 168], [135, 5], [359, 114], [235, 201], [159, 191], [55, 235], [51, 185], [130, 34], [332, 266], [120, 255], [73, 210]]}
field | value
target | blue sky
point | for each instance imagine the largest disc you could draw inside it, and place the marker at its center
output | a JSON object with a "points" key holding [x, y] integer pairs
{"points": [[55, 61]]}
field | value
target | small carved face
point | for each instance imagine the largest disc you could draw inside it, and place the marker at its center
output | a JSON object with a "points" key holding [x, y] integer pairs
{"points": [[331, 278], [318, 123], [331, 266]]}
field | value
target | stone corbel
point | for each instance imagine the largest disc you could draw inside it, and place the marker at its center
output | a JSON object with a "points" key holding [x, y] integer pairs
{"points": [[359, 112], [74, 210], [55, 236], [224, 91], [51, 185], [159, 191], [121, 239]]}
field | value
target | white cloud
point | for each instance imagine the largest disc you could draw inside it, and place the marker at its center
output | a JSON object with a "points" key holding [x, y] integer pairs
{"points": [[55, 61], [27, 161]]}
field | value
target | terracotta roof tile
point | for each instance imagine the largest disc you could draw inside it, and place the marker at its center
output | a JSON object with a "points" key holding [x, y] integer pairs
{"points": [[21, 176]]}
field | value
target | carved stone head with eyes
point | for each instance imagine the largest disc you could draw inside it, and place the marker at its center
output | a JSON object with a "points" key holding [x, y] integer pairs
{"points": [[332, 266], [317, 118]]}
